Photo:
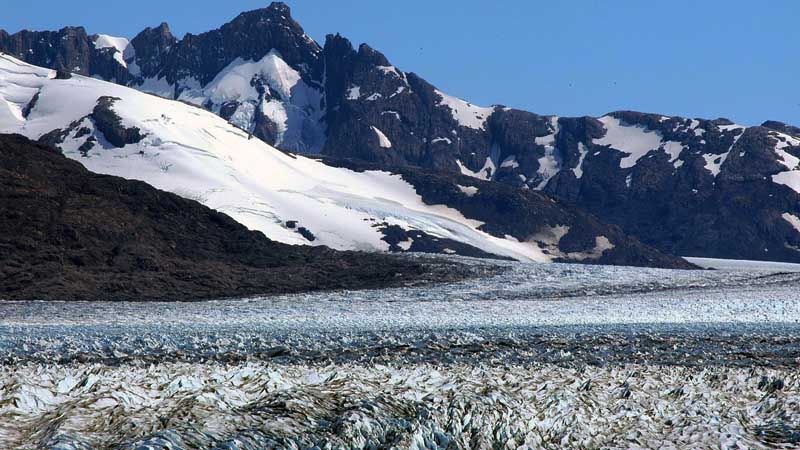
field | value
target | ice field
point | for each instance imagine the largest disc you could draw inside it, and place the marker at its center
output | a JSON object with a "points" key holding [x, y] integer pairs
{"points": [[537, 356]]}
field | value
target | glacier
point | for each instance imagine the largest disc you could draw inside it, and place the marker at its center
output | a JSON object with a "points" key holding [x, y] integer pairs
{"points": [[531, 356]]}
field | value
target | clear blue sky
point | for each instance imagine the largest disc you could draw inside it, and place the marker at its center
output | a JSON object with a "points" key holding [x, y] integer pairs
{"points": [[709, 59]]}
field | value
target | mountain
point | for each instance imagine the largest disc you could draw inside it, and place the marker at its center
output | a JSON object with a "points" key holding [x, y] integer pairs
{"points": [[295, 199], [70, 234], [690, 187]]}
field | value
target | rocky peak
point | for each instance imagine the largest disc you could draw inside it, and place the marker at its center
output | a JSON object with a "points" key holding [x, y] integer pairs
{"points": [[250, 36], [782, 127], [151, 45], [279, 8], [368, 55], [67, 49], [276, 11]]}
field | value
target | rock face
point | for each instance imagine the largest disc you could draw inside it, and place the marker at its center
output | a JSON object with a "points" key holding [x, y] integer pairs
{"points": [[687, 186], [70, 234], [564, 232]]}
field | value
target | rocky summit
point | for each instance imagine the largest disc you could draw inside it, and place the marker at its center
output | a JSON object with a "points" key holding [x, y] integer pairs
{"points": [[686, 186]]}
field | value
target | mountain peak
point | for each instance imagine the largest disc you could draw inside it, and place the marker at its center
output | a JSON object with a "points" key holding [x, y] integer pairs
{"points": [[782, 127], [163, 28], [279, 7], [277, 11], [370, 55]]}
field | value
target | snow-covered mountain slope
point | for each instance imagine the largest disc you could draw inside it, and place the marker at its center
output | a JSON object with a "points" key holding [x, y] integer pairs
{"points": [[294, 199], [686, 186], [248, 92]]}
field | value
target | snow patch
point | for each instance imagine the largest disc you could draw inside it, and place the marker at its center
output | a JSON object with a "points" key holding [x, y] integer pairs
{"points": [[485, 173], [398, 91], [465, 113], [354, 93], [383, 141], [792, 219], [578, 170], [124, 49], [294, 107], [510, 162], [469, 191], [157, 86], [635, 140]]}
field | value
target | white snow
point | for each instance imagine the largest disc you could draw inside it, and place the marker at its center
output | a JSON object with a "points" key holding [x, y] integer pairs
{"points": [[194, 152], [792, 219], [392, 70], [790, 161], [465, 113], [354, 93], [123, 47], [550, 139], [714, 162], [731, 127], [442, 139], [510, 162], [636, 141], [789, 178], [398, 91], [157, 86], [550, 163], [295, 110], [578, 170], [383, 141], [674, 149], [469, 191], [485, 173]]}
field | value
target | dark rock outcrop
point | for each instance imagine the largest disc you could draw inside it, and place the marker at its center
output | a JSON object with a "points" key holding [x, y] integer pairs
{"points": [[69, 234], [110, 124]]}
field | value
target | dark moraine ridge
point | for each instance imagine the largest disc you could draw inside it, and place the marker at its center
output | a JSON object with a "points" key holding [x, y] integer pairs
{"points": [[70, 234]]}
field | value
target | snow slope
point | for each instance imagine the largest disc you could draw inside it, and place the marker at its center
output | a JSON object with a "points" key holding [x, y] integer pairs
{"points": [[465, 113], [292, 105], [123, 50], [197, 154]]}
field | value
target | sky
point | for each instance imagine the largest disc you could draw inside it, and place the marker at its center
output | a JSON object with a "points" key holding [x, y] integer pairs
{"points": [[732, 58]]}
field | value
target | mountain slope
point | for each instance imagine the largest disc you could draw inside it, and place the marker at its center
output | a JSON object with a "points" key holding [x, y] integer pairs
{"points": [[686, 186], [292, 199], [69, 234]]}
